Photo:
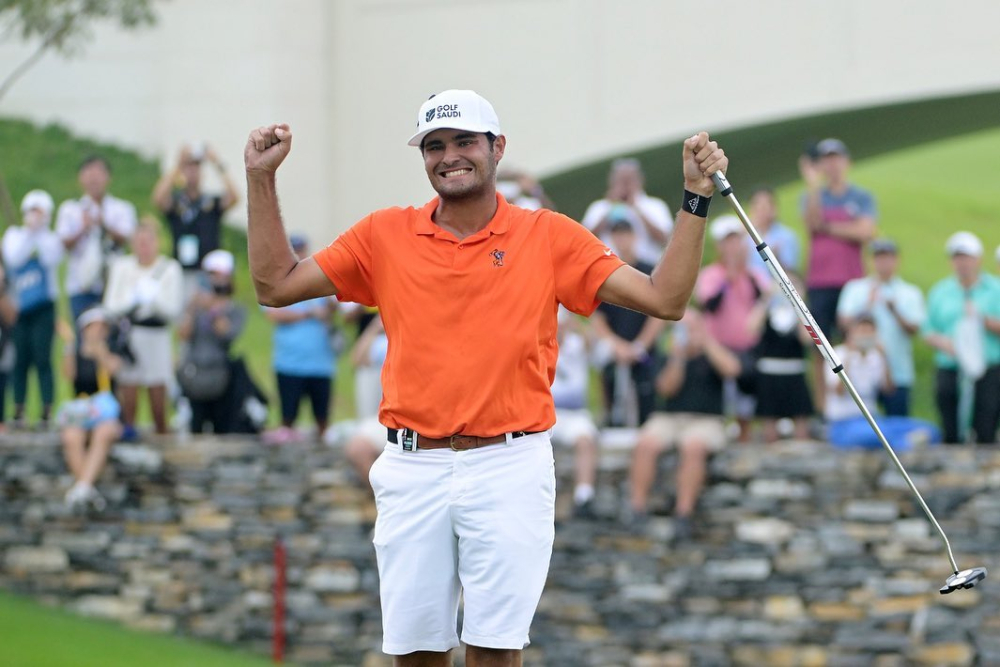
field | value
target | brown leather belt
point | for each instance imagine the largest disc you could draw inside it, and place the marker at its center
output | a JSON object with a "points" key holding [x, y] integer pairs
{"points": [[459, 443]]}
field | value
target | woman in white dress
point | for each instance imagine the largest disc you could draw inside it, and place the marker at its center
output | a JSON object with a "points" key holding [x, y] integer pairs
{"points": [[145, 291]]}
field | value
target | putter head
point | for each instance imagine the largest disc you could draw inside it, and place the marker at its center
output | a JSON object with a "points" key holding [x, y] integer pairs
{"points": [[963, 579]]}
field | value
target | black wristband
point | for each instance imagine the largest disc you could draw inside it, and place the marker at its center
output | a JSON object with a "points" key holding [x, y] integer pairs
{"points": [[696, 205]]}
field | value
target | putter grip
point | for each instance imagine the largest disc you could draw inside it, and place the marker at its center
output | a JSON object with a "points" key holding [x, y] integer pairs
{"points": [[725, 189]]}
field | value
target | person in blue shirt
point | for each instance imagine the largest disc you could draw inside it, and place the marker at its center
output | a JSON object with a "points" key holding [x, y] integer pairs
{"points": [[303, 358], [763, 209], [963, 326], [899, 312]]}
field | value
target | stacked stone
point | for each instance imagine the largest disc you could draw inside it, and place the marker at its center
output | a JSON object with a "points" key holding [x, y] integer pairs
{"points": [[803, 555]]}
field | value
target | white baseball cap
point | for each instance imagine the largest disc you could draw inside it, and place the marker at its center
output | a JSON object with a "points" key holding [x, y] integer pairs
{"points": [[724, 226], [964, 243], [91, 315], [219, 261], [455, 110], [39, 199]]}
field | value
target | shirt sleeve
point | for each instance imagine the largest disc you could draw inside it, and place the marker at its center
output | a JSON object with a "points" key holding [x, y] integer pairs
{"points": [[849, 304], [121, 218], [866, 206], [911, 306], [69, 220], [347, 262], [580, 263]]}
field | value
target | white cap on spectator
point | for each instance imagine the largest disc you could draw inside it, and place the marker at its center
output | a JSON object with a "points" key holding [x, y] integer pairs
{"points": [[725, 225], [91, 315], [39, 199], [964, 243], [219, 261], [455, 110]]}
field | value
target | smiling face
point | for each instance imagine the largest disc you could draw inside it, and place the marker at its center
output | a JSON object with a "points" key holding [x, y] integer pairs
{"points": [[461, 165]]}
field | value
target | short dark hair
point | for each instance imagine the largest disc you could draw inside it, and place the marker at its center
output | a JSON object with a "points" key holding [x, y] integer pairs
{"points": [[91, 159], [490, 137], [764, 189]]}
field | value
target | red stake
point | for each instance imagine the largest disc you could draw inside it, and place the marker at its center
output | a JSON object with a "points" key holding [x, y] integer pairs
{"points": [[278, 643]]}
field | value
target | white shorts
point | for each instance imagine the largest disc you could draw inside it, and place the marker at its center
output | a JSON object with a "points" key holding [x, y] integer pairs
{"points": [[477, 524], [571, 425]]}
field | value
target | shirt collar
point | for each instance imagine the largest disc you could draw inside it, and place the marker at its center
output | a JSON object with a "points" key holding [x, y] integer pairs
{"points": [[500, 223]]}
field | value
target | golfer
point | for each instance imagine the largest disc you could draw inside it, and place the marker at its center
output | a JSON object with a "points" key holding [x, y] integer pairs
{"points": [[468, 287]]}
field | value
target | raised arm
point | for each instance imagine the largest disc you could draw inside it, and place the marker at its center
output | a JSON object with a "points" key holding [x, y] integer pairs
{"points": [[279, 278], [665, 293]]}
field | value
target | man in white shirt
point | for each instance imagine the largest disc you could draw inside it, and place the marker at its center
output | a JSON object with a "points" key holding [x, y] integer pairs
{"points": [[899, 312], [93, 228], [627, 200]]}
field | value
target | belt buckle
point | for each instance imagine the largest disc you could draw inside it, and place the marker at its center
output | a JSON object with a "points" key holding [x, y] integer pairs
{"points": [[451, 442]]}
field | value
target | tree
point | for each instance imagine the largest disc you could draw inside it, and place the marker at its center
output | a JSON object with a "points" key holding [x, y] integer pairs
{"points": [[62, 26]]}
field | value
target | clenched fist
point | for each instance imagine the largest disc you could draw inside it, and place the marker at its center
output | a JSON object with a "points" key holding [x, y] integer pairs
{"points": [[702, 158], [267, 147]]}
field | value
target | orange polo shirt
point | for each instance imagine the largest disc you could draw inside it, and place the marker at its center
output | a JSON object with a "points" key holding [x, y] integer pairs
{"points": [[471, 323]]}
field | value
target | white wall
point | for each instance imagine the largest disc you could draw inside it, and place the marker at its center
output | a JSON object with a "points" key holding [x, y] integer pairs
{"points": [[572, 80]]}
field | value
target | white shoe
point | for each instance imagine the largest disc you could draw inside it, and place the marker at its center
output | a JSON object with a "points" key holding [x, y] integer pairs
{"points": [[77, 494], [82, 494]]}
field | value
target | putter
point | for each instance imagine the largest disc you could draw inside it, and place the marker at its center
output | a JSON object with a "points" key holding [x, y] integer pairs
{"points": [[958, 580]]}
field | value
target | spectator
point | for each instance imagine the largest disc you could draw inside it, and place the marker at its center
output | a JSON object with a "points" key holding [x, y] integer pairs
{"points": [[575, 425], [691, 419], [840, 218], [31, 253], [963, 326], [195, 218], [782, 240], [221, 393], [88, 424], [898, 309], [627, 200], [628, 380], [144, 288], [93, 228], [865, 363], [303, 358], [727, 291], [8, 318], [367, 369], [522, 189], [781, 388], [368, 439]]}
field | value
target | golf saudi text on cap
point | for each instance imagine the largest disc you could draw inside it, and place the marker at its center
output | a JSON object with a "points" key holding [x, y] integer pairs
{"points": [[455, 110], [964, 243]]}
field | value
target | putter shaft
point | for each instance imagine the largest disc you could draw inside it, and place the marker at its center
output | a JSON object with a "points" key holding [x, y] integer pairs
{"points": [[819, 338]]}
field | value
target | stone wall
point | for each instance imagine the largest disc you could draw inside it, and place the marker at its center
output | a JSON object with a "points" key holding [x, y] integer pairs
{"points": [[803, 556]]}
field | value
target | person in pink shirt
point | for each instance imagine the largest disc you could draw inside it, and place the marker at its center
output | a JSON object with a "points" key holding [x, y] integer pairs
{"points": [[727, 291], [840, 218]]}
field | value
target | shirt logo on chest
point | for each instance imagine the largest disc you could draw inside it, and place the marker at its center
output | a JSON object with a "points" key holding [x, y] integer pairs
{"points": [[497, 256]]}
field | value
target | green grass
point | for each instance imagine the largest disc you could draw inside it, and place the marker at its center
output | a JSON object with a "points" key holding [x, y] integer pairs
{"points": [[37, 636]]}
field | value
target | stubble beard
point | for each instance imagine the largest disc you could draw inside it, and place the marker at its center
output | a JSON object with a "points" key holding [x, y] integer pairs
{"points": [[473, 190]]}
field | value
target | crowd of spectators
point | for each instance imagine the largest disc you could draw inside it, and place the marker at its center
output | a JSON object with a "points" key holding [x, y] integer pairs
{"points": [[737, 367]]}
